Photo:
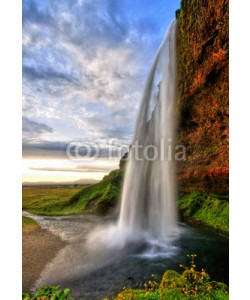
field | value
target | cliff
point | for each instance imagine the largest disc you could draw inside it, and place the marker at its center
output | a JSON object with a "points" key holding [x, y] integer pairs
{"points": [[203, 96]]}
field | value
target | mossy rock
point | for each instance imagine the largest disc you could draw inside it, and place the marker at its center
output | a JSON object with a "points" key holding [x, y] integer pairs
{"points": [[209, 210], [171, 279], [175, 286]]}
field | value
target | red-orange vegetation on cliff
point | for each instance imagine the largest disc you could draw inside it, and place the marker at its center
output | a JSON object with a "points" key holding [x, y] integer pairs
{"points": [[203, 96]]}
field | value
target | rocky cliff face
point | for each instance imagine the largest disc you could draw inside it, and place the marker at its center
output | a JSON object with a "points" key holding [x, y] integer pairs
{"points": [[203, 108]]}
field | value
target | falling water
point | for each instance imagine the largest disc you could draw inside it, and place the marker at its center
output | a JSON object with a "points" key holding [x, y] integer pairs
{"points": [[149, 192], [147, 210]]}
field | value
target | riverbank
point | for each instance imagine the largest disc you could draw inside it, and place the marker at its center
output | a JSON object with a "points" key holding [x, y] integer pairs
{"points": [[101, 271], [197, 209], [209, 211], [39, 247]]}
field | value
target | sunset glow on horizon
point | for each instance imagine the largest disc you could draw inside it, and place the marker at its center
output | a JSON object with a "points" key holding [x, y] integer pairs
{"points": [[39, 170]]}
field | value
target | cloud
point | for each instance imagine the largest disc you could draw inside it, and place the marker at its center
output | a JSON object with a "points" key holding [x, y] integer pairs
{"points": [[34, 127], [35, 14], [47, 73], [44, 149], [80, 169], [84, 68], [111, 149]]}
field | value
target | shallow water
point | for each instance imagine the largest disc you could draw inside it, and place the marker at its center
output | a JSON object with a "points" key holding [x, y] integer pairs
{"points": [[94, 273]]}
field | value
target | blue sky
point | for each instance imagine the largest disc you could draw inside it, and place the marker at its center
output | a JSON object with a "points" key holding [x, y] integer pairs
{"points": [[84, 68]]}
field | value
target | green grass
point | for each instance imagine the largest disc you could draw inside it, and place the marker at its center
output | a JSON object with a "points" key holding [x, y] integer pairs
{"points": [[98, 198], [49, 293], [28, 224], [208, 209], [64, 200], [44, 200]]}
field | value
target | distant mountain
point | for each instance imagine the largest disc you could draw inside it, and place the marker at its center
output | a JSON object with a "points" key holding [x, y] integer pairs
{"points": [[87, 181]]}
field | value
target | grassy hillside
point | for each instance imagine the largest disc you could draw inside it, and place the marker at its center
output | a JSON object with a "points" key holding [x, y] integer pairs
{"points": [[209, 210], [63, 200], [98, 198]]}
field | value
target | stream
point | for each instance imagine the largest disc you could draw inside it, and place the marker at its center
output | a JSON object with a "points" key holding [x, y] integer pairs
{"points": [[94, 273]]}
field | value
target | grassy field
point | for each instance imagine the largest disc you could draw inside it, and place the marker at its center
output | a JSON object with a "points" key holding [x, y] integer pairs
{"points": [[66, 200], [28, 224], [45, 199]]}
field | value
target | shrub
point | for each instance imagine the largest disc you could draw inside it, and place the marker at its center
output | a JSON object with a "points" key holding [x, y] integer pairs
{"points": [[191, 284], [49, 293]]}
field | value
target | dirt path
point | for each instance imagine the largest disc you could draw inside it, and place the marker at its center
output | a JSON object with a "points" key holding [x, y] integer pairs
{"points": [[38, 248]]}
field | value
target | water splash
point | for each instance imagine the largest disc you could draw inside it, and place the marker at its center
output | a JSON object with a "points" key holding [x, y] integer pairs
{"points": [[148, 206]]}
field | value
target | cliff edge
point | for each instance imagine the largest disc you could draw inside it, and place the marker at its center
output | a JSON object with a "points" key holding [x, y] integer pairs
{"points": [[203, 96]]}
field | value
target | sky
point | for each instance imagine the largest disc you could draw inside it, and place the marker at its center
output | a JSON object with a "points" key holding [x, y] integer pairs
{"points": [[85, 64]]}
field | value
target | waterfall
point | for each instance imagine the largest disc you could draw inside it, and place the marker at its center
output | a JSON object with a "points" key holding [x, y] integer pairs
{"points": [[149, 191], [147, 210]]}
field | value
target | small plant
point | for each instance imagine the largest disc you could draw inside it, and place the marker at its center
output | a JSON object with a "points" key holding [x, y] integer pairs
{"points": [[152, 285], [191, 284], [49, 293], [195, 282]]}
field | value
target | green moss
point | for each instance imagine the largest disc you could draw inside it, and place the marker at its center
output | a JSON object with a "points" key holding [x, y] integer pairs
{"points": [[28, 224], [212, 149], [208, 209]]}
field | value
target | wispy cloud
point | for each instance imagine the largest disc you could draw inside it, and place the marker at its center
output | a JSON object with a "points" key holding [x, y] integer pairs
{"points": [[34, 130], [81, 169], [34, 127], [84, 67]]}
